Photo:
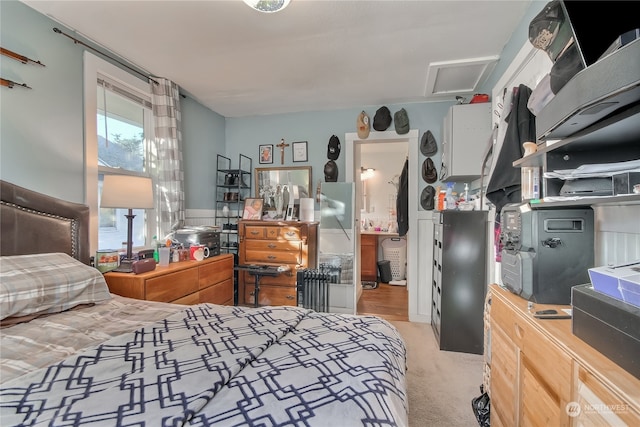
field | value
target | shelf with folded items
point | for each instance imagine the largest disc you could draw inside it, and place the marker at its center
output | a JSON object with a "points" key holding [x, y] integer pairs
{"points": [[613, 140]]}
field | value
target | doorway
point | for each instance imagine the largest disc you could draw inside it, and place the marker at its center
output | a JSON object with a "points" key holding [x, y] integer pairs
{"points": [[390, 301]]}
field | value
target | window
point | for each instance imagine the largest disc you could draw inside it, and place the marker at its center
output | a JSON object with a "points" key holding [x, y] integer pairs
{"points": [[118, 129]]}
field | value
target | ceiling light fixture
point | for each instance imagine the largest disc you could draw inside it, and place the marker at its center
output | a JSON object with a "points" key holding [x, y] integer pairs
{"points": [[267, 6]]}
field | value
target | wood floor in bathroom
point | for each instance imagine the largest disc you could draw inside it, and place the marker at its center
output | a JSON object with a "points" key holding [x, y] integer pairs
{"points": [[387, 301]]}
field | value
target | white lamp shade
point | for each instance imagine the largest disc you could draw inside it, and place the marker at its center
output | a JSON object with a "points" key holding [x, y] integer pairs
{"points": [[267, 6], [127, 192]]}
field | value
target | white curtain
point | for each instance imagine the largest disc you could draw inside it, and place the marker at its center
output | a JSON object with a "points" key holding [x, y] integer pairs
{"points": [[166, 158]]}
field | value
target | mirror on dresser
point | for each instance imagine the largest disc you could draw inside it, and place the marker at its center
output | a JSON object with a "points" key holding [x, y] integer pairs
{"points": [[269, 180]]}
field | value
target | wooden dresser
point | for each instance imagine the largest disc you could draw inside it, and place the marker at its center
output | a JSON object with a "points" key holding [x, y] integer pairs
{"points": [[186, 282], [275, 243], [541, 374], [369, 257]]}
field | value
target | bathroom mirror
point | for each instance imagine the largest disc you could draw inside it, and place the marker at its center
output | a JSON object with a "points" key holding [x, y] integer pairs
{"points": [[268, 179]]}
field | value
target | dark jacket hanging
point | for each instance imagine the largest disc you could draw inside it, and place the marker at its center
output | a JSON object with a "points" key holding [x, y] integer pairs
{"points": [[504, 183], [402, 201]]}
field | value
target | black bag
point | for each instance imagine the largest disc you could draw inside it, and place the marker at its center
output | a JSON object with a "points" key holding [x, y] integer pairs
{"points": [[481, 406]]}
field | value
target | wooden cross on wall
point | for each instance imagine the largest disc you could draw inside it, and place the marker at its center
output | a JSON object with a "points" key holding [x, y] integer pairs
{"points": [[281, 147]]}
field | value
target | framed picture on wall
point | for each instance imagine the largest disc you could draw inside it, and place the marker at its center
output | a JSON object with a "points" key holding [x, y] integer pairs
{"points": [[266, 153], [252, 209], [299, 151]]}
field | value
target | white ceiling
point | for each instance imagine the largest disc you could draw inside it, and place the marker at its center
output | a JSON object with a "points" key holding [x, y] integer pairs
{"points": [[315, 55]]}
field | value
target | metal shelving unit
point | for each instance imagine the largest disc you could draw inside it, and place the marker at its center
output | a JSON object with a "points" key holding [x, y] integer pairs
{"points": [[233, 186]]}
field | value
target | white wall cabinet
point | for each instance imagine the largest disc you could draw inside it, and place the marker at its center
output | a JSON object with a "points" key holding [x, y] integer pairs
{"points": [[466, 130]]}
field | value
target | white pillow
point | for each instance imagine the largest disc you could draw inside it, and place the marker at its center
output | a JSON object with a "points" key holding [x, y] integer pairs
{"points": [[47, 283]]}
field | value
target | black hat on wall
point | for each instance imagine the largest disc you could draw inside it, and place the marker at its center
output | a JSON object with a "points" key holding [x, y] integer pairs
{"points": [[382, 119], [330, 171], [333, 149], [428, 145], [429, 173], [427, 198]]}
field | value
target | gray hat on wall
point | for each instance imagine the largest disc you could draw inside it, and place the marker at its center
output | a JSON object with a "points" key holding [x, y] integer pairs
{"points": [[401, 120], [428, 145]]}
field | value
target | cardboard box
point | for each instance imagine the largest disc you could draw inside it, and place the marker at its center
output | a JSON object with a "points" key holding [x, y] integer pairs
{"points": [[607, 279]]}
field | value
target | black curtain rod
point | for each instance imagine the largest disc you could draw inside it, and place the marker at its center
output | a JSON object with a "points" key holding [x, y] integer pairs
{"points": [[57, 30]]}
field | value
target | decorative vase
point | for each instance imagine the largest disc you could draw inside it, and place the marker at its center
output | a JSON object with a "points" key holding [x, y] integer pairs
{"points": [[279, 202]]}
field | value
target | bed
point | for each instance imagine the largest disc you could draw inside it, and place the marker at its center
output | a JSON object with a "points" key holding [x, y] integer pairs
{"points": [[71, 353]]}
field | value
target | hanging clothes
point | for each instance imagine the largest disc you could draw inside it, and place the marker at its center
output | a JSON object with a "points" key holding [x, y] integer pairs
{"points": [[504, 184], [402, 201]]}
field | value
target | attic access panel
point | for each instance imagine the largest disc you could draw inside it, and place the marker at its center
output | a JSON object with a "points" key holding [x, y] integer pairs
{"points": [[462, 77]]}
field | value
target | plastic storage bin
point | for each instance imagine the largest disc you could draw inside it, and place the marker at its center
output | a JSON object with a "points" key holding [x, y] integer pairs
{"points": [[395, 250], [384, 270]]}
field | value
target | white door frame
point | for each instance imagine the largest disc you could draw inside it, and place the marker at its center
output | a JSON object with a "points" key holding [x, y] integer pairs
{"points": [[352, 174]]}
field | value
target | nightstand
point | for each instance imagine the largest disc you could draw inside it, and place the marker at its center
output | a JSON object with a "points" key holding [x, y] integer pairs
{"points": [[185, 282]]}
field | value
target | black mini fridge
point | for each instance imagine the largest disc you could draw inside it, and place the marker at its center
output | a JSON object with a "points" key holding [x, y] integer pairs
{"points": [[459, 280]]}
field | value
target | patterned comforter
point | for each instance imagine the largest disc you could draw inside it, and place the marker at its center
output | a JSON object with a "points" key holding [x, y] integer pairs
{"points": [[224, 366]]}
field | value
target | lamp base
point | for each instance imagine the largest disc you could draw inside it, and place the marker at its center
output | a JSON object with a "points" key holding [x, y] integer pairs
{"points": [[126, 266]]}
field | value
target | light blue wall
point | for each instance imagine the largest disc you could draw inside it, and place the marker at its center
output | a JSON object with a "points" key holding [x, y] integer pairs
{"points": [[244, 135], [203, 139], [41, 130]]}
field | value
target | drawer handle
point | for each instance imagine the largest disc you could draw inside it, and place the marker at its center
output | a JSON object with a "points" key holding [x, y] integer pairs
{"points": [[272, 257], [271, 245], [255, 233], [518, 330], [252, 294], [290, 297], [290, 233]]}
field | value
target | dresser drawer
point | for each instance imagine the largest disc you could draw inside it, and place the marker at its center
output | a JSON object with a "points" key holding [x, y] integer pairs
{"points": [[272, 257], [170, 287], [215, 272], [289, 233], [255, 232], [220, 293], [191, 299], [284, 279], [272, 295], [505, 317], [273, 245]]}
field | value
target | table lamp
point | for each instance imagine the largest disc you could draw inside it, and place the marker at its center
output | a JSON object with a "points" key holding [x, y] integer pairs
{"points": [[127, 192]]}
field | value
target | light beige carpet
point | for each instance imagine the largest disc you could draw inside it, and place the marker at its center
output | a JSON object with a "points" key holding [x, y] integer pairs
{"points": [[440, 384]]}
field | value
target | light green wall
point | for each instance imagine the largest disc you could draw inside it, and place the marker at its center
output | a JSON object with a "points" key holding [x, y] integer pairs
{"points": [[41, 130]]}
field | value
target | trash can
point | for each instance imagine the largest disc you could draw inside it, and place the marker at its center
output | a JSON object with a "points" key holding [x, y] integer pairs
{"points": [[395, 250], [384, 269]]}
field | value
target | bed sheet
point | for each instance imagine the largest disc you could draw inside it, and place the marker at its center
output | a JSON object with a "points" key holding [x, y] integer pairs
{"points": [[49, 339], [220, 365]]}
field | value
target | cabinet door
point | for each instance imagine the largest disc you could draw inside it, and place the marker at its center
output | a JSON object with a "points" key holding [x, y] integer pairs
{"points": [[466, 131], [369, 257], [545, 380], [504, 378], [599, 405]]}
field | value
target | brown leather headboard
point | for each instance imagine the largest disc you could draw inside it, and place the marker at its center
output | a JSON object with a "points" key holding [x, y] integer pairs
{"points": [[36, 223]]}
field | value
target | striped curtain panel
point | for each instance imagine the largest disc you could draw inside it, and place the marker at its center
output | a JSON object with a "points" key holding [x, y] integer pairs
{"points": [[166, 156]]}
